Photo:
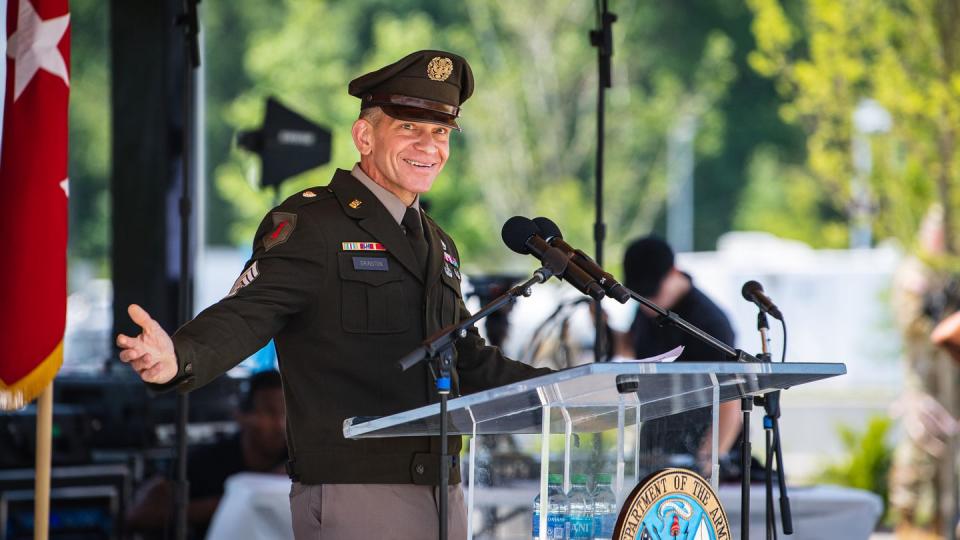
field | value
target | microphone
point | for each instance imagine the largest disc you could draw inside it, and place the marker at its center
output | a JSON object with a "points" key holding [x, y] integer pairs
{"points": [[753, 292], [551, 233], [522, 235]]}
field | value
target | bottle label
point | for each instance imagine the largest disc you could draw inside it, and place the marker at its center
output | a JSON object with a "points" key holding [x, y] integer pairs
{"points": [[603, 525], [581, 527], [556, 526]]}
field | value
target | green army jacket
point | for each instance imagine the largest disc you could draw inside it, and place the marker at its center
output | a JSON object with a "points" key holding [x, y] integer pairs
{"points": [[334, 281]]}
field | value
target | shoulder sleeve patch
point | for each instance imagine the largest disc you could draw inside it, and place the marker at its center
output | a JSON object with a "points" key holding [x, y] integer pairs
{"points": [[283, 225]]}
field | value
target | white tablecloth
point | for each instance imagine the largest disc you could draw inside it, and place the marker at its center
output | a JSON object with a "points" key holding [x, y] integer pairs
{"points": [[253, 506], [819, 512], [257, 506]]}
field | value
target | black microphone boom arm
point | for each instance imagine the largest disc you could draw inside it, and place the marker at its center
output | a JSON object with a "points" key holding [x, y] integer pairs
{"points": [[667, 316], [554, 261]]}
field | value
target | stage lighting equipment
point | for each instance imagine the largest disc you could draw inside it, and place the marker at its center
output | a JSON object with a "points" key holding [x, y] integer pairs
{"points": [[287, 143]]}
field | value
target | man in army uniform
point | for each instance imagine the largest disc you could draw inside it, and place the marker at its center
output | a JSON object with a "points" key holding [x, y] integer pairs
{"points": [[347, 279]]}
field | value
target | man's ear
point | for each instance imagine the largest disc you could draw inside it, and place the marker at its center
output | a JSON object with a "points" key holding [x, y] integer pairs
{"points": [[362, 132]]}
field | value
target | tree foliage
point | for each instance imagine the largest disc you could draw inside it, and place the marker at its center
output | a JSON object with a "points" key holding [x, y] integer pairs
{"points": [[826, 56], [529, 141], [529, 130], [89, 133]]}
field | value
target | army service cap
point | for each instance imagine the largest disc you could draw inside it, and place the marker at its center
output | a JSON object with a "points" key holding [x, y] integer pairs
{"points": [[425, 86]]}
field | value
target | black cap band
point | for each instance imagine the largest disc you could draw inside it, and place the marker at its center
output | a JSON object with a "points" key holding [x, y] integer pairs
{"points": [[376, 100]]}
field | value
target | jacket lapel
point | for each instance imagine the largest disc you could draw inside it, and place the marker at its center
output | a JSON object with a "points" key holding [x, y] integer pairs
{"points": [[374, 218], [435, 258]]}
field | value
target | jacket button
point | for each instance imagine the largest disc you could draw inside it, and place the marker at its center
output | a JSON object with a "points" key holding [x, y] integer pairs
{"points": [[419, 468]]}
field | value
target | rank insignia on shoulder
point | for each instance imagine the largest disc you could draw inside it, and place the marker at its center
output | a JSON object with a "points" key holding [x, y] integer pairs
{"points": [[451, 259], [362, 246], [283, 225], [308, 194], [355, 203], [245, 279]]}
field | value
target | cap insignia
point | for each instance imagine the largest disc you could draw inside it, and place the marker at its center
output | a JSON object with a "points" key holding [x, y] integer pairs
{"points": [[439, 68]]}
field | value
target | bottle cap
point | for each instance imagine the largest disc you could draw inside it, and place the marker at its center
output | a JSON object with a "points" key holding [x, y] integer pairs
{"points": [[579, 479], [555, 479], [602, 478]]}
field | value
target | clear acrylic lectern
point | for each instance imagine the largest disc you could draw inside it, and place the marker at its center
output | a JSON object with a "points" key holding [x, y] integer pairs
{"points": [[594, 398]]}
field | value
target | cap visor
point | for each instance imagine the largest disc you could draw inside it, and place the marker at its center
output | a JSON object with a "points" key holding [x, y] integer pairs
{"points": [[414, 114]]}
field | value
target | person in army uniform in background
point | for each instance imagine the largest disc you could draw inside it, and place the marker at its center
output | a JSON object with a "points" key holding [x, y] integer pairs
{"points": [[347, 279], [922, 478]]}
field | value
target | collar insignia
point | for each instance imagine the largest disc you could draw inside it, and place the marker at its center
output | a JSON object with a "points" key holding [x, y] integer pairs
{"points": [[450, 259], [355, 204]]}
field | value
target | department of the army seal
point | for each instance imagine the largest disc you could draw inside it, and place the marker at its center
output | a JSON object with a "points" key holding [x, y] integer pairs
{"points": [[439, 68], [672, 504]]}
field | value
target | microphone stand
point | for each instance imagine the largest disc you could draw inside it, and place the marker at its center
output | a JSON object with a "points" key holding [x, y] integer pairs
{"points": [[746, 404], [439, 350], [602, 39], [771, 426], [189, 22], [665, 316]]}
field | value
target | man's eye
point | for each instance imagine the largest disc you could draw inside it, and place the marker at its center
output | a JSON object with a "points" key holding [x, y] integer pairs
{"points": [[406, 126], [441, 131]]}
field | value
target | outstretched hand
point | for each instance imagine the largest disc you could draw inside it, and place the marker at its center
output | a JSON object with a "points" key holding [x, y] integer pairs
{"points": [[150, 354]]}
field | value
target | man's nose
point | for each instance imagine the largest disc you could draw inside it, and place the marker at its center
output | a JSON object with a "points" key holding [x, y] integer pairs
{"points": [[426, 143]]}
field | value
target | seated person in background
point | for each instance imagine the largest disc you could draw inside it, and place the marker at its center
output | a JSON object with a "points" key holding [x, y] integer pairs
{"points": [[258, 446], [683, 439]]}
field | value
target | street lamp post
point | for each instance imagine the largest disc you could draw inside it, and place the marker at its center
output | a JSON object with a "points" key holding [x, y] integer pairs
{"points": [[869, 118]]}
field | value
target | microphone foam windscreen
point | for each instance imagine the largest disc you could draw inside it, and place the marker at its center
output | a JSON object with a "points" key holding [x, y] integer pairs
{"points": [[515, 233], [548, 229], [749, 288]]}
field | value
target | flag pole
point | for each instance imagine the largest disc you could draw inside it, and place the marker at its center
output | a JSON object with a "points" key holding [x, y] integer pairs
{"points": [[41, 483]]}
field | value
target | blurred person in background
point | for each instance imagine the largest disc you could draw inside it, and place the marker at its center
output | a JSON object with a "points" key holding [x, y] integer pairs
{"points": [[258, 446], [922, 479], [683, 439]]}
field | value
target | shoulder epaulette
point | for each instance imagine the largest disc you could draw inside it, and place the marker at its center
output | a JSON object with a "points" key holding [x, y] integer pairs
{"points": [[305, 197]]}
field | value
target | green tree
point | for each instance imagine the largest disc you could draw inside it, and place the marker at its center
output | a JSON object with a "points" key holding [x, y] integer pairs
{"points": [[529, 131], [89, 149], [826, 56]]}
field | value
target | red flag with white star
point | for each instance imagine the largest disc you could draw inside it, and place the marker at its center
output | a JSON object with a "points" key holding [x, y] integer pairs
{"points": [[33, 208]]}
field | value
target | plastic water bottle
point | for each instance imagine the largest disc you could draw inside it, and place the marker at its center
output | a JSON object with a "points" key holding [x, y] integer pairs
{"points": [[604, 508], [581, 509], [557, 508]]}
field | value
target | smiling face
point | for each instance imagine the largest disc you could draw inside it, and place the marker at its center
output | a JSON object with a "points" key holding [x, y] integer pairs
{"points": [[404, 157]]}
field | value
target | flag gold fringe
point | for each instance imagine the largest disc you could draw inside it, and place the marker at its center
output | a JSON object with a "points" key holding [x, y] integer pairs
{"points": [[30, 387]]}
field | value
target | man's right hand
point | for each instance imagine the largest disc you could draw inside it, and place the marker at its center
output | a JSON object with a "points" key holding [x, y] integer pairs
{"points": [[151, 353]]}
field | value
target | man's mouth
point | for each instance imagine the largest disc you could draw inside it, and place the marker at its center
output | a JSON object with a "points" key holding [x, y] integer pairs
{"points": [[420, 164]]}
